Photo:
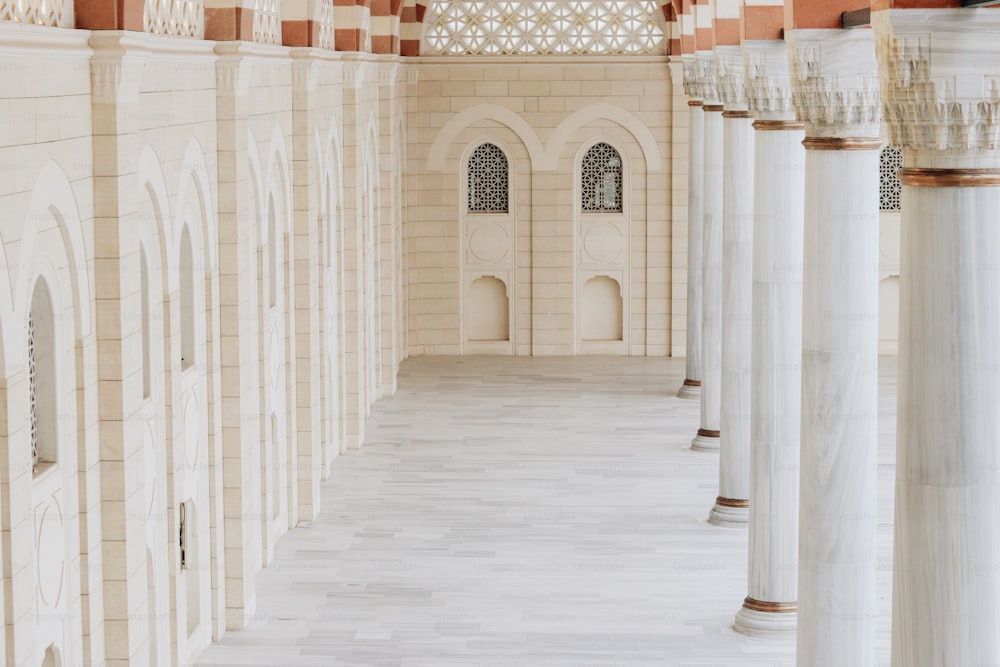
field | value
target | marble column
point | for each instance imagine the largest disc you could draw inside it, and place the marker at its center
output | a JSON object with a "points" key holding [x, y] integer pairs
{"points": [[691, 388], [776, 347], [731, 505], [946, 562], [711, 314], [835, 92]]}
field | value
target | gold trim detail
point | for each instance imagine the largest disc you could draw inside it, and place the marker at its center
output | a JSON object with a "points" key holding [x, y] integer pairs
{"points": [[842, 143], [713, 107], [770, 607], [692, 383], [737, 114], [774, 125], [950, 178], [695, 103], [708, 433], [731, 502]]}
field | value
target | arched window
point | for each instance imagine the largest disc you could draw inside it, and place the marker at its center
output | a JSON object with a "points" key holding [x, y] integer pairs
{"points": [[601, 180], [144, 309], [187, 300], [42, 394], [488, 180]]}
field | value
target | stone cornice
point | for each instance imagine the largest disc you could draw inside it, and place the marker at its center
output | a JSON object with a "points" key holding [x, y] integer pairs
{"points": [[768, 81], [940, 76], [835, 82], [729, 76], [706, 77]]}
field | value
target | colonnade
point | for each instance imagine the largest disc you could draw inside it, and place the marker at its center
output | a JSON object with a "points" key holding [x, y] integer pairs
{"points": [[787, 214]]}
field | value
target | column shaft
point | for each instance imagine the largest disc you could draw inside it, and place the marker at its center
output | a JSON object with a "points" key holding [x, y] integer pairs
{"points": [[776, 379], [711, 319], [946, 569], [737, 275], [696, 210], [839, 404]]}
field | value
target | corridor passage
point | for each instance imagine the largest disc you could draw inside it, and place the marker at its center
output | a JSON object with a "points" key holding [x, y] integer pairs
{"points": [[524, 511]]}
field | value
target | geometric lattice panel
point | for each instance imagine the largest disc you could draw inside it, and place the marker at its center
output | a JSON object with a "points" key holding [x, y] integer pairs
{"points": [[601, 179], [267, 21], [488, 180], [889, 187], [562, 27], [183, 18], [56, 13], [326, 34]]}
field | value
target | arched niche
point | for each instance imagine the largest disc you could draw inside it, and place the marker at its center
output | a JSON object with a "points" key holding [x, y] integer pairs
{"points": [[487, 312], [601, 317]]}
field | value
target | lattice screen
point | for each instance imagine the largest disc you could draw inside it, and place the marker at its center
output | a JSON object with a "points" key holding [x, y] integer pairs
{"points": [[56, 13], [185, 18], [326, 34], [890, 189], [601, 179], [568, 27], [488, 180], [267, 21], [32, 392]]}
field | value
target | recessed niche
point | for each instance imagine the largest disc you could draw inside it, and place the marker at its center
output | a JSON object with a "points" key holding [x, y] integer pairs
{"points": [[488, 305], [602, 309]]}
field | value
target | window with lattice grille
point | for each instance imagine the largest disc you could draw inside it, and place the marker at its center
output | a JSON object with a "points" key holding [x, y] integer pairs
{"points": [[488, 180], [32, 393], [890, 188], [539, 27], [601, 179]]}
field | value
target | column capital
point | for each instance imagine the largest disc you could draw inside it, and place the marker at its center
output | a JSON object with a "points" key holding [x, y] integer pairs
{"points": [[729, 77], [706, 78], [835, 82], [768, 84], [940, 84], [691, 87]]}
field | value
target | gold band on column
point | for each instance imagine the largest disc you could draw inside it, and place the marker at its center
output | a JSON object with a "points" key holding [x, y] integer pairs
{"points": [[692, 383], [708, 433], [731, 502], [775, 125], [737, 114], [713, 107], [694, 103], [842, 143], [950, 178], [770, 607]]}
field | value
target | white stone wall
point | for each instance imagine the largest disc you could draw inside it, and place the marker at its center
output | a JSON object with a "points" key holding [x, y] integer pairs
{"points": [[544, 112]]}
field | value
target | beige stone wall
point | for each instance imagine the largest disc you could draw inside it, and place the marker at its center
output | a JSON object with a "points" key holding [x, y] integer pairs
{"points": [[544, 112], [219, 229]]}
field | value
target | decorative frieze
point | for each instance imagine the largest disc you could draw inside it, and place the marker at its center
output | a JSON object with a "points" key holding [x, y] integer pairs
{"points": [[834, 79], [940, 80], [768, 83], [729, 76]]}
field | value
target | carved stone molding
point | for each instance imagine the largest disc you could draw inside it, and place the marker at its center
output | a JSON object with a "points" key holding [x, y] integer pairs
{"points": [[768, 80], [706, 77], [729, 76], [691, 87], [940, 80], [834, 78]]}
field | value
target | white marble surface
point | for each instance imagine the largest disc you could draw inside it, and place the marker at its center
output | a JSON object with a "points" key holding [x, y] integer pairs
{"points": [[946, 600], [776, 378], [711, 295], [737, 297], [522, 511], [836, 592], [696, 210]]}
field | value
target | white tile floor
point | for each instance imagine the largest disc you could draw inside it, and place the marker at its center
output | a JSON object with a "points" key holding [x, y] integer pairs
{"points": [[524, 511]]}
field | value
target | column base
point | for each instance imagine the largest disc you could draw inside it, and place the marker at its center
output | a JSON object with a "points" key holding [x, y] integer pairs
{"points": [[730, 513], [706, 441], [758, 618], [690, 389]]}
